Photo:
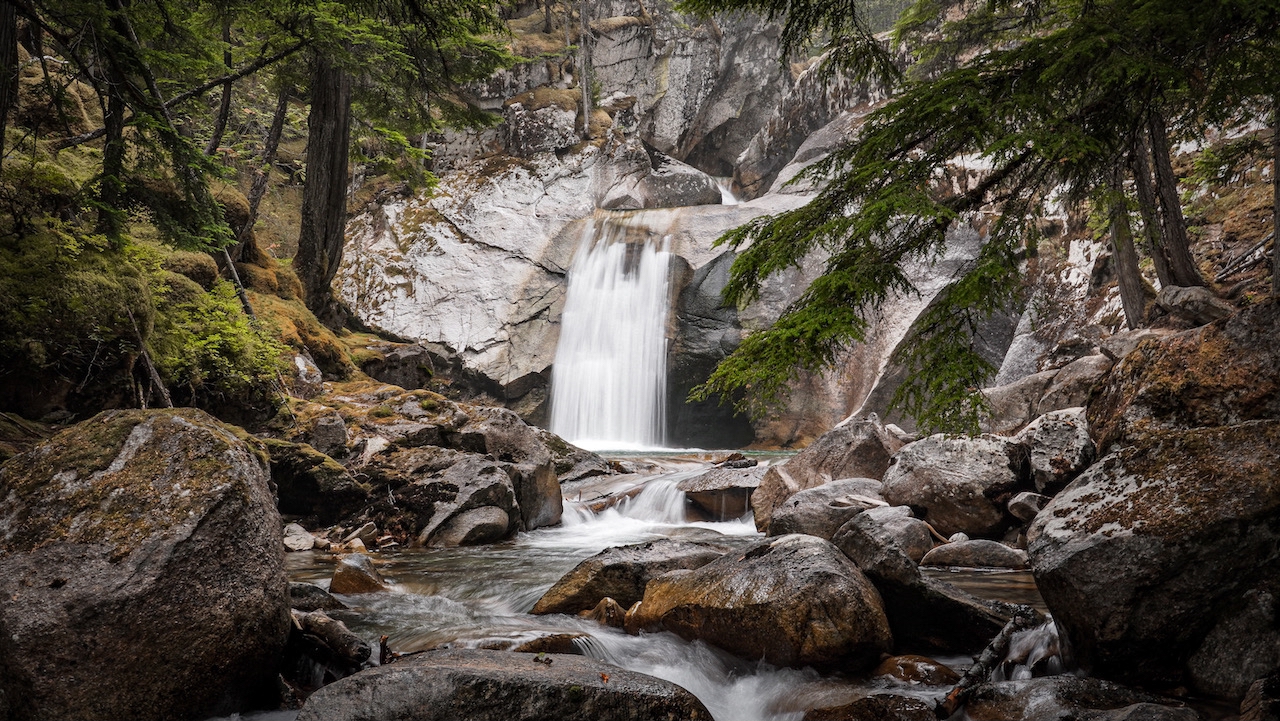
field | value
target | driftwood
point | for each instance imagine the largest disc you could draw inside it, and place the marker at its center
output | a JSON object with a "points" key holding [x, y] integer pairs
{"points": [[1024, 618], [345, 645], [1245, 260]]}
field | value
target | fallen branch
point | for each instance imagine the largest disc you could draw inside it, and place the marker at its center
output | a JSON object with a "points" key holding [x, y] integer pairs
{"points": [[1246, 260], [1024, 618]]}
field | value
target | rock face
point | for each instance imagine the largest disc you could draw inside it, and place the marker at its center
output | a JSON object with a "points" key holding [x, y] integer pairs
{"points": [[1224, 373], [858, 448], [622, 573], [1161, 551], [820, 511], [961, 484], [793, 600], [142, 570], [723, 493], [499, 686]]}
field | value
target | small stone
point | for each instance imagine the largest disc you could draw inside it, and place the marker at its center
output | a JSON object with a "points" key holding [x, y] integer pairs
{"points": [[356, 546], [320, 544], [296, 538], [1026, 505], [957, 537], [367, 533], [355, 574], [976, 554]]}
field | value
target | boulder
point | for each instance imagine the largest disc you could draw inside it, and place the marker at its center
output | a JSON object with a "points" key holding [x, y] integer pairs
{"points": [[1026, 505], [822, 510], [622, 573], [329, 434], [310, 597], [312, 485], [793, 601], [1059, 447], [407, 365], [897, 525], [724, 493], [483, 685], [1195, 304], [1069, 697], [355, 574], [917, 669], [473, 482], [1073, 383], [1123, 343], [142, 571], [571, 462], [976, 554], [485, 524], [876, 707], [926, 615], [960, 484], [540, 121], [500, 433], [297, 538], [607, 613], [1262, 701], [857, 448], [1015, 405], [1160, 551], [1224, 373]]}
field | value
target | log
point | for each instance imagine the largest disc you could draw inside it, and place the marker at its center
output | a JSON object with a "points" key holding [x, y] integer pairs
{"points": [[1024, 618]]}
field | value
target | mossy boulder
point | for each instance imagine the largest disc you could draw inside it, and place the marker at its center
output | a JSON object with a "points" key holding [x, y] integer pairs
{"points": [[1224, 373], [1150, 559], [312, 485], [142, 571]]}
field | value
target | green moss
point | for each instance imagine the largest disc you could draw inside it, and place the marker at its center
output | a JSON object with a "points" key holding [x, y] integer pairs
{"points": [[382, 412]]}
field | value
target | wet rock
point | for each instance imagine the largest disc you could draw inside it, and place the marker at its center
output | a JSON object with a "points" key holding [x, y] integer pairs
{"points": [[498, 686], [310, 597], [897, 525], [724, 493], [1059, 446], [1196, 304], [485, 524], [607, 613], [1074, 382], [876, 707], [511, 440], [553, 643], [926, 615], [142, 571], [791, 600], [1222, 374], [297, 538], [471, 483], [1015, 405], [917, 669], [571, 462], [1026, 505], [312, 485], [957, 537], [857, 448], [1150, 558], [407, 365], [976, 554], [820, 511], [622, 573], [355, 574], [329, 434], [961, 484], [1262, 701], [1062, 697]]}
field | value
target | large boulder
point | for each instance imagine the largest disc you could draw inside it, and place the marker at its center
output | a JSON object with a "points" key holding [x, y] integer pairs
{"points": [[1165, 552], [312, 485], [1059, 447], [1015, 404], [473, 482], [961, 484], [622, 573], [483, 685], [142, 571], [1224, 373], [1069, 697], [500, 433], [1074, 383], [926, 615], [898, 525], [723, 493], [820, 511], [857, 448], [792, 600]]}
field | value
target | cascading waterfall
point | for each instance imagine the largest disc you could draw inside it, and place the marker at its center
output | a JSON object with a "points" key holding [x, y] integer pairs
{"points": [[608, 388]]}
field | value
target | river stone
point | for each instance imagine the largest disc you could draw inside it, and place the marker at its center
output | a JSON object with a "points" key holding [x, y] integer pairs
{"points": [[1221, 374], [621, 573], [480, 685], [1026, 505], [857, 448], [960, 483], [1015, 405], [926, 615], [1059, 447], [472, 482], [876, 707], [297, 538], [725, 493], [142, 571], [820, 511], [1146, 556], [355, 574], [1067, 697], [607, 613], [976, 554], [1074, 383], [792, 600], [917, 669], [1195, 304], [485, 524], [310, 597], [896, 524]]}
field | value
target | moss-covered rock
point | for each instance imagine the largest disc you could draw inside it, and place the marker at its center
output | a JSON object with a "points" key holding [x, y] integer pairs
{"points": [[142, 571], [312, 485]]}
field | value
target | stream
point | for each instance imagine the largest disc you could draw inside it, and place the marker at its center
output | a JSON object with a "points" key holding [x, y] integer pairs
{"points": [[479, 597]]}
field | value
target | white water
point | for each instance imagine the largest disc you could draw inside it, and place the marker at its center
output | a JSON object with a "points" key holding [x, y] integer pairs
{"points": [[608, 388], [726, 191]]}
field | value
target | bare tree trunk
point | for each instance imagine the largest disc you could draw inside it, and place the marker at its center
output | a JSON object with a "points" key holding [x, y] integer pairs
{"points": [[584, 68], [324, 197], [546, 24], [1181, 263], [262, 176], [8, 66], [224, 109], [1275, 196], [1150, 215], [1130, 280], [111, 187]]}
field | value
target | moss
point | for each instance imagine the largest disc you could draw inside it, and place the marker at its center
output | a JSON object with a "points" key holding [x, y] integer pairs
{"points": [[199, 267], [544, 97], [383, 411], [298, 328]]}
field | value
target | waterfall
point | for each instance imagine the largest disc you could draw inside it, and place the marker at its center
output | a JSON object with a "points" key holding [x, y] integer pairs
{"points": [[726, 191], [608, 389]]}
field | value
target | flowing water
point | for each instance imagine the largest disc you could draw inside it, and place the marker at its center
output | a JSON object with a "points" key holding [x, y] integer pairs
{"points": [[609, 382]]}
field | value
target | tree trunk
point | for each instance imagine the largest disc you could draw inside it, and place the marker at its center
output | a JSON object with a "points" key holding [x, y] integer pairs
{"points": [[546, 24], [262, 176], [324, 197], [1181, 264], [1150, 215], [1275, 196], [224, 109], [8, 67], [111, 187], [584, 68], [1130, 280]]}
